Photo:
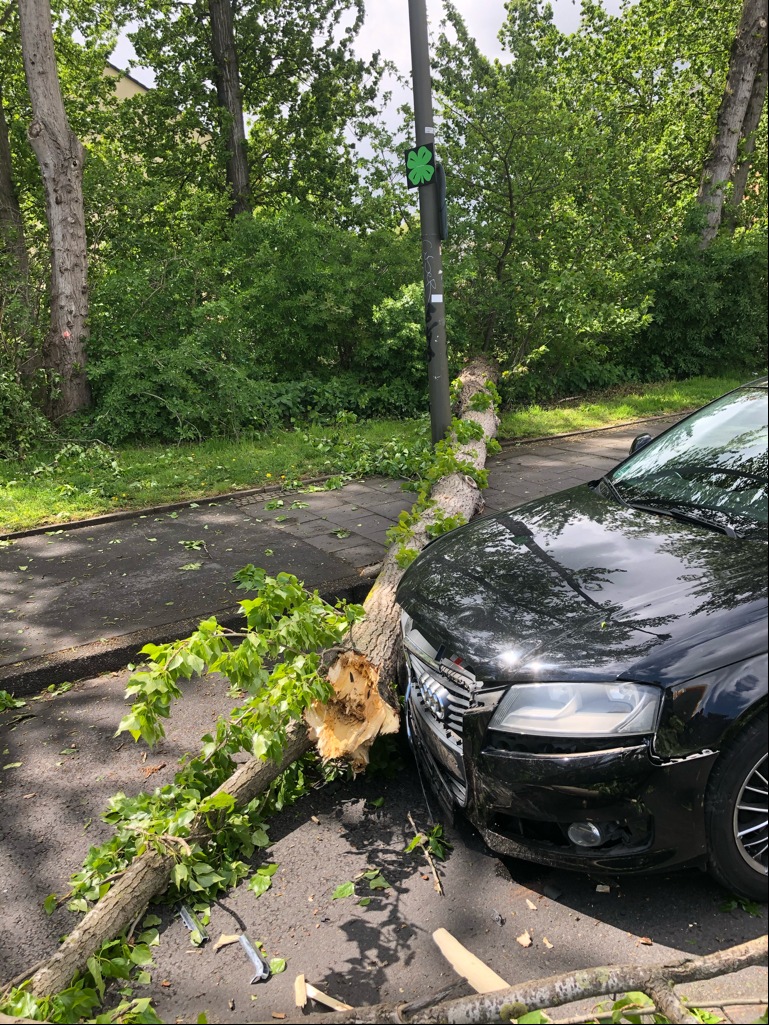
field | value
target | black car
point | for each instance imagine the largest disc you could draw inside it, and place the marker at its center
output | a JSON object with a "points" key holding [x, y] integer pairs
{"points": [[587, 673]]}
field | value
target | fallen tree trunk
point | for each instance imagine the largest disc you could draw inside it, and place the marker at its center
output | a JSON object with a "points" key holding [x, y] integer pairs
{"points": [[148, 876], [364, 706], [657, 981]]}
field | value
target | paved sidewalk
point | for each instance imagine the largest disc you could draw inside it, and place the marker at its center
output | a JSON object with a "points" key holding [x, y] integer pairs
{"points": [[82, 598]]}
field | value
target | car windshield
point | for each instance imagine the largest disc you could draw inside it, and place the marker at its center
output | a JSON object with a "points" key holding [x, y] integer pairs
{"points": [[712, 465]]}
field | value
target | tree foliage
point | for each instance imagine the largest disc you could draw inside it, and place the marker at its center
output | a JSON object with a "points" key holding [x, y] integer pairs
{"points": [[573, 167]]}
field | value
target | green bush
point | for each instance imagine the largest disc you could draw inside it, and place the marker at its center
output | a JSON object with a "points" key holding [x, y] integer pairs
{"points": [[248, 324], [22, 425], [710, 309]]}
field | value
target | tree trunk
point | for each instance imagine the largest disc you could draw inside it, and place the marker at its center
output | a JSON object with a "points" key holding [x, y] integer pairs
{"points": [[744, 61], [60, 156], [365, 704], [148, 876], [748, 135], [11, 223], [230, 101]]}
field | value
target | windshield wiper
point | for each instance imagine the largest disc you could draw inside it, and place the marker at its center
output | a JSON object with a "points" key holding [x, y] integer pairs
{"points": [[716, 521]]}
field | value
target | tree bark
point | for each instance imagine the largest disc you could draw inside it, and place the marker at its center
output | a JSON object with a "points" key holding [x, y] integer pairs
{"points": [[60, 156], [148, 876], [230, 101], [363, 678], [11, 223], [744, 61], [557, 990], [748, 135]]}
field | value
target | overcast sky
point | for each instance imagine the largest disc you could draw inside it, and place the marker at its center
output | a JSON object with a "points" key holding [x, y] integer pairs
{"points": [[387, 24]]}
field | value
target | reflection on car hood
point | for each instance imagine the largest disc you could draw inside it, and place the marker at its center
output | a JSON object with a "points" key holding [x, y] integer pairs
{"points": [[577, 585]]}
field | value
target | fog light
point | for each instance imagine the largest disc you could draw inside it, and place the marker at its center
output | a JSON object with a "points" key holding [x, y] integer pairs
{"points": [[585, 834]]}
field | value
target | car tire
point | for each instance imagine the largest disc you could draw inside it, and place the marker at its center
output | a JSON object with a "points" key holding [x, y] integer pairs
{"points": [[736, 813]]}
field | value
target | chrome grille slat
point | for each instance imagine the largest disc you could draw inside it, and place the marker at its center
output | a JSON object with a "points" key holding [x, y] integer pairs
{"points": [[458, 697]]}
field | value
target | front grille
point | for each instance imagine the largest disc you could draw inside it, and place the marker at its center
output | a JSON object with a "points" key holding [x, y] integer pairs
{"points": [[442, 691]]}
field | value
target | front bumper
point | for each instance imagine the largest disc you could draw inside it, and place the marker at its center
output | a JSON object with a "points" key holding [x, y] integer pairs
{"points": [[523, 802]]}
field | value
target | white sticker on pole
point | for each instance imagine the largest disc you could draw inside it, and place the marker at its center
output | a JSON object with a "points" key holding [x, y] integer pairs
{"points": [[429, 131], [436, 298]]}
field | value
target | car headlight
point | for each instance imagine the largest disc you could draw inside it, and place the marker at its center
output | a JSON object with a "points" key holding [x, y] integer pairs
{"points": [[578, 709]]}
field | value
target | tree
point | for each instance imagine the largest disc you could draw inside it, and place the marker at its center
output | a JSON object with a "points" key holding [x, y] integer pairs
{"points": [[292, 68], [748, 47], [750, 126], [230, 100], [60, 155]]}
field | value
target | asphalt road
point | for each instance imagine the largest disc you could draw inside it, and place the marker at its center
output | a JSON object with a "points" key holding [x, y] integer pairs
{"points": [[65, 763]]}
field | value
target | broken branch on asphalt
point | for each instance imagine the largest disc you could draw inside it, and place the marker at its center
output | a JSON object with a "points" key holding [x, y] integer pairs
{"points": [[364, 704], [568, 987]]}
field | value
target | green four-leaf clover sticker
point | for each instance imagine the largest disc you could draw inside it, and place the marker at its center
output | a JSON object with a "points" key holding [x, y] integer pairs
{"points": [[421, 165]]}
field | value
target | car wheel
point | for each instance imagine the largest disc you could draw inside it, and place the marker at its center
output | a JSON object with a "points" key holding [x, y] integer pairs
{"points": [[736, 813]]}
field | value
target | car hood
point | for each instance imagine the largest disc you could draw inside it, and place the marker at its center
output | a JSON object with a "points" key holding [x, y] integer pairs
{"points": [[578, 586]]}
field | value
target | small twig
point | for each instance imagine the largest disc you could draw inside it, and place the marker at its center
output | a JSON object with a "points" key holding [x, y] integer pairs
{"points": [[423, 845], [130, 933]]}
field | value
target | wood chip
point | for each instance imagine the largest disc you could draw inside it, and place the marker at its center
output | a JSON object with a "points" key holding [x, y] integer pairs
{"points": [[225, 940], [646, 941], [531, 905], [300, 991], [524, 939], [546, 942], [603, 888], [278, 1014], [327, 1001], [482, 978]]}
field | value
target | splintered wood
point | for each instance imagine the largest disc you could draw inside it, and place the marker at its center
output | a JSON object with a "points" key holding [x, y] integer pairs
{"points": [[348, 725]]}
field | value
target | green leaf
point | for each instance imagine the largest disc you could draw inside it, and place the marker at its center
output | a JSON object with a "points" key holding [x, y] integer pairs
{"points": [[261, 881], [260, 838], [364, 902], [141, 954], [277, 965], [93, 967], [533, 1018], [180, 874], [418, 840], [9, 701], [49, 904], [376, 802], [344, 890], [378, 883]]}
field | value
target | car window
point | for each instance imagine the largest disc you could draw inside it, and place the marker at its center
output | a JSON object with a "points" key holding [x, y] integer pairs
{"points": [[714, 460]]}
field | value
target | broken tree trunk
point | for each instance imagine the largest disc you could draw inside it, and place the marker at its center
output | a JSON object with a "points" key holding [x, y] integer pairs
{"points": [[148, 876], [359, 712], [657, 981], [365, 704]]}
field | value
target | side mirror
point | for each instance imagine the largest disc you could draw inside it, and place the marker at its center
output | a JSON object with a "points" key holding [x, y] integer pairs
{"points": [[640, 442]]}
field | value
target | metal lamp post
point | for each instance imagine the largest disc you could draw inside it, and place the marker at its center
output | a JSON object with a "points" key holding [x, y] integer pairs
{"points": [[427, 180]]}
